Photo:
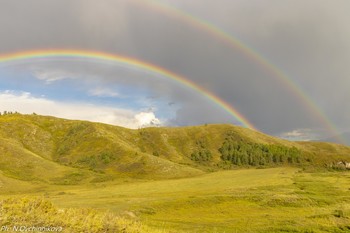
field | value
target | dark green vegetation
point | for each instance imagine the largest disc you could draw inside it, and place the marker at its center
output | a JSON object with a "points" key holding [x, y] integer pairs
{"points": [[246, 153], [168, 179]]}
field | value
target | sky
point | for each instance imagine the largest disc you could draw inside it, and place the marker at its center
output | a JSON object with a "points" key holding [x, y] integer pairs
{"points": [[306, 43]]}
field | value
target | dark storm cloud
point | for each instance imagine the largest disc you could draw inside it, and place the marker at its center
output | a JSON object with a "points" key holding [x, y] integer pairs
{"points": [[62, 24], [307, 40]]}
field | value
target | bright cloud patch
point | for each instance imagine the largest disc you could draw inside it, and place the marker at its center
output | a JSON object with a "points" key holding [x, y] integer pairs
{"points": [[50, 76], [103, 92], [147, 119], [25, 103], [299, 135]]}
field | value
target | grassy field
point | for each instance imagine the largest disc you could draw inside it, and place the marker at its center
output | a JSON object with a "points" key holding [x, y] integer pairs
{"points": [[281, 199], [91, 177]]}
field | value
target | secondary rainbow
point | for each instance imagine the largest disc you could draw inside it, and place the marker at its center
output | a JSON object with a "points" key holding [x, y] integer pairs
{"points": [[132, 62], [249, 52]]}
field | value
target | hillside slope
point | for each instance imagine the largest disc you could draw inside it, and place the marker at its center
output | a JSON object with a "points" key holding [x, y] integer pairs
{"points": [[53, 150]]}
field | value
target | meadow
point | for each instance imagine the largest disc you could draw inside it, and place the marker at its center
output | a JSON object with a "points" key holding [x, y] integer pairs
{"points": [[92, 177], [283, 199]]}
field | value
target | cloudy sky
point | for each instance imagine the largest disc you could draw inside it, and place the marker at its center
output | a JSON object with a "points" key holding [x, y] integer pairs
{"points": [[204, 41]]}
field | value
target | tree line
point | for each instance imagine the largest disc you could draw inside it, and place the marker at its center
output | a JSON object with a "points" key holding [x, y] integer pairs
{"points": [[255, 154], [4, 113]]}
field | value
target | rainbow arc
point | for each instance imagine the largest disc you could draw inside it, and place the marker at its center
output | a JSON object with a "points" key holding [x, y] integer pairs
{"points": [[132, 63], [233, 42]]}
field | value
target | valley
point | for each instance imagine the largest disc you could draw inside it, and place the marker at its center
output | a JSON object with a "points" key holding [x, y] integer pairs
{"points": [[168, 179]]}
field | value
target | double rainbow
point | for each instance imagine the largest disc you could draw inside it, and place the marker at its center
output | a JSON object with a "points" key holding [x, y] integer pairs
{"points": [[198, 23], [234, 43]]}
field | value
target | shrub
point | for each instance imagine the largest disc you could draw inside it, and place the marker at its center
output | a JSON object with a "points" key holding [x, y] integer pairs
{"points": [[42, 213]]}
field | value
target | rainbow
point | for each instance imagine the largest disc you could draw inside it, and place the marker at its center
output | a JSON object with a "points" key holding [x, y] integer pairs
{"points": [[250, 53], [131, 62]]}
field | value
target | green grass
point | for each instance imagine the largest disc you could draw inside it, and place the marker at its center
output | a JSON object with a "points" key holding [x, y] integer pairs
{"points": [[111, 178], [40, 213], [248, 200], [33, 144]]}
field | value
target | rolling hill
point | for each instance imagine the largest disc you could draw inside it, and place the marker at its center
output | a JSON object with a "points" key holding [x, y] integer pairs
{"points": [[91, 177], [71, 152]]}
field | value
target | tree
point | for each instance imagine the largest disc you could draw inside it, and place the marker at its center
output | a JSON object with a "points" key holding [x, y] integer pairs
{"points": [[253, 154]]}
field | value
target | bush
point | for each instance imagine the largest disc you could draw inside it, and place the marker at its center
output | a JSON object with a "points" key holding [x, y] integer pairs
{"points": [[202, 155]]}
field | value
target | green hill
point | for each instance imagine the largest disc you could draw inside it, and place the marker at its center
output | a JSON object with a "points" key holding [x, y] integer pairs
{"points": [[94, 177], [70, 152]]}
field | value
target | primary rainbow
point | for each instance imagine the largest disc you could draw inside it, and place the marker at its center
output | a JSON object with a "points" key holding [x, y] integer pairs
{"points": [[249, 52], [132, 62]]}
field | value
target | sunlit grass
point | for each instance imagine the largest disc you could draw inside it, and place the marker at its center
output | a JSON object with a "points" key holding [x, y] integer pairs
{"points": [[249, 200], [38, 212], [93, 177]]}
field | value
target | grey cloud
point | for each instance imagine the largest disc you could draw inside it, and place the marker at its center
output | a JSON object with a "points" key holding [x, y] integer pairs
{"points": [[307, 40]]}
